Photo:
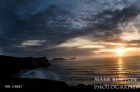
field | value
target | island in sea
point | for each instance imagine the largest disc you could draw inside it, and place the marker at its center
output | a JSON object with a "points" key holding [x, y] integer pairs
{"points": [[10, 66], [58, 59]]}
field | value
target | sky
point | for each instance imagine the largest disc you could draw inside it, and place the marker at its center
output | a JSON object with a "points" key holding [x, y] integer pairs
{"points": [[69, 28]]}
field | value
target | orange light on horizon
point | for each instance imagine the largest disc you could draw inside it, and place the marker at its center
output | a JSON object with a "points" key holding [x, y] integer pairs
{"points": [[120, 51]]}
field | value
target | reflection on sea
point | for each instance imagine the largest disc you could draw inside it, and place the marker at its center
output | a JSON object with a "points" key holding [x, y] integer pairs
{"points": [[122, 77], [108, 71]]}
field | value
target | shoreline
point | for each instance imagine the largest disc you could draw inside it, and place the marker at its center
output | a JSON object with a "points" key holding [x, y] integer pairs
{"points": [[19, 83]]}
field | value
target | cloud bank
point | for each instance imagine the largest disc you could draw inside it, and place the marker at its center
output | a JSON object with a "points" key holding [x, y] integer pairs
{"points": [[36, 27]]}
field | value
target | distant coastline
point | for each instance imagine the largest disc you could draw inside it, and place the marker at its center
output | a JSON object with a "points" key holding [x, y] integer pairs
{"points": [[13, 65], [10, 66]]}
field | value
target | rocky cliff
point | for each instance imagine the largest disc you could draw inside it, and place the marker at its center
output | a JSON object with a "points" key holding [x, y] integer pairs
{"points": [[12, 65]]}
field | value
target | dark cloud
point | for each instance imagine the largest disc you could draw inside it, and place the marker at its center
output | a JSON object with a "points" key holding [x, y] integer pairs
{"points": [[23, 20], [55, 52]]}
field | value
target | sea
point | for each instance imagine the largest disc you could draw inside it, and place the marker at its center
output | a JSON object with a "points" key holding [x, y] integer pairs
{"points": [[90, 71]]}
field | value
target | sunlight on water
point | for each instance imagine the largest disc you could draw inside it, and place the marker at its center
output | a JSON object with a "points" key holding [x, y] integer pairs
{"points": [[84, 71], [121, 72], [120, 67]]}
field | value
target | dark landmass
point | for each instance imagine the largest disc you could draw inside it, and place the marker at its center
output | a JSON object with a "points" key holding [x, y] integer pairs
{"points": [[13, 65], [59, 59], [51, 86], [32, 83], [73, 58]]}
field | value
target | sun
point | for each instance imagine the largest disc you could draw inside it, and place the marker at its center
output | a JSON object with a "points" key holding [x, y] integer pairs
{"points": [[120, 51]]}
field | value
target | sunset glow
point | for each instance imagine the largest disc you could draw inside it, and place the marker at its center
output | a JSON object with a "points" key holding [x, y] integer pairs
{"points": [[120, 51]]}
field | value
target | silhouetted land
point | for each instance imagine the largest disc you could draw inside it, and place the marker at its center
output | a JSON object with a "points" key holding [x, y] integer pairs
{"points": [[49, 85], [10, 66], [59, 59], [13, 65]]}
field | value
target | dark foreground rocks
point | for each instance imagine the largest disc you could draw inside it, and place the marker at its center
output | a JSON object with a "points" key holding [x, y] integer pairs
{"points": [[31, 83], [53, 86], [13, 65]]}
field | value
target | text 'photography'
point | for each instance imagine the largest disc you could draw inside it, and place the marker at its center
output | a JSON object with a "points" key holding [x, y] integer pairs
{"points": [[91, 44]]}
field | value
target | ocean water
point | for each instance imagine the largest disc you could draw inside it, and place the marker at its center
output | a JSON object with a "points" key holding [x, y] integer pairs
{"points": [[92, 71]]}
